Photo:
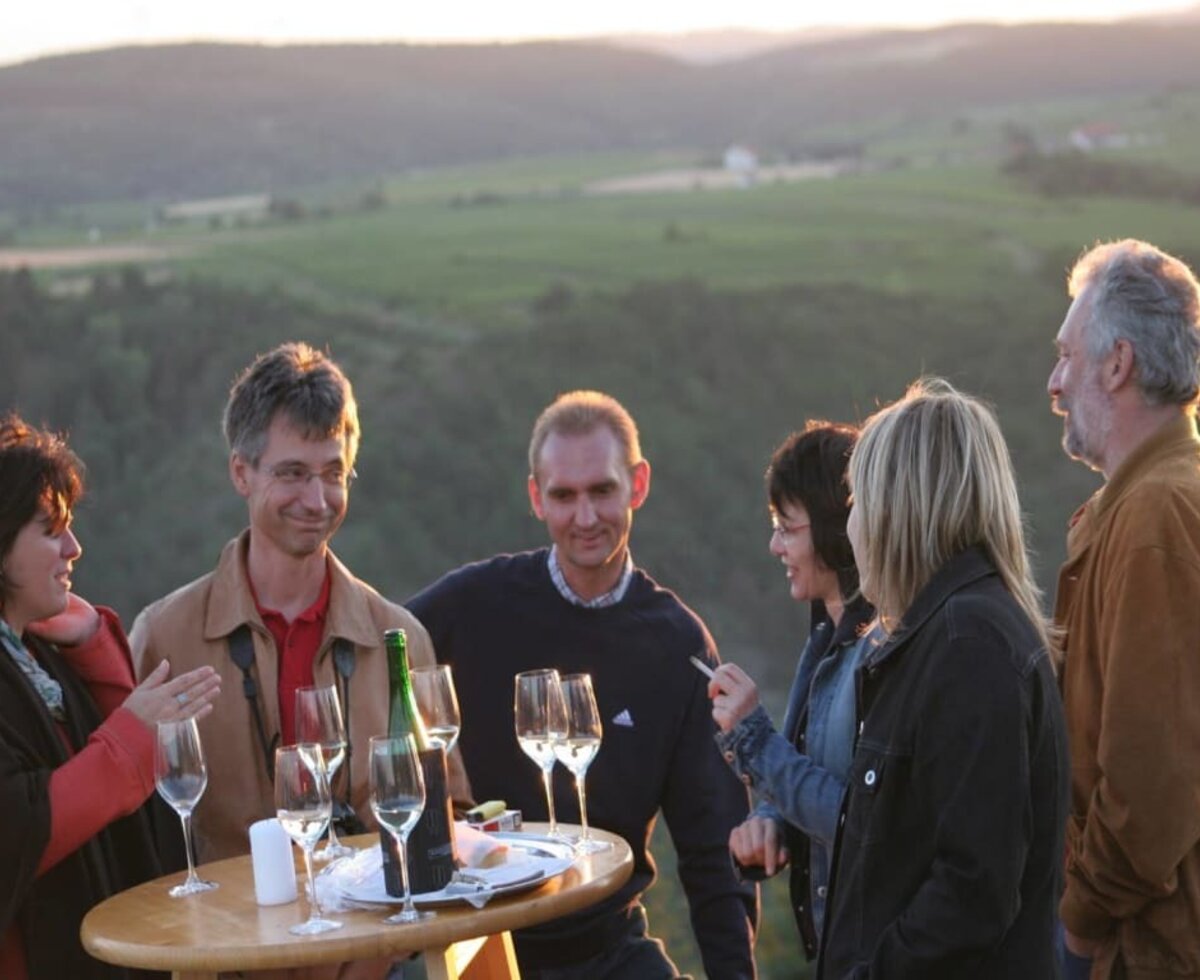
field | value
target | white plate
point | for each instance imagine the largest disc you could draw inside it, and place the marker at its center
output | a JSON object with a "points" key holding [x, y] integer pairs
{"points": [[531, 860]]}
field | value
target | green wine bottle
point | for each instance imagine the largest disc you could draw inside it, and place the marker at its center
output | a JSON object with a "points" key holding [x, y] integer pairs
{"points": [[431, 854]]}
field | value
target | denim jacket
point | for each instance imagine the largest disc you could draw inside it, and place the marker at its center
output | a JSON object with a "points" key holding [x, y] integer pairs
{"points": [[799, 774]]}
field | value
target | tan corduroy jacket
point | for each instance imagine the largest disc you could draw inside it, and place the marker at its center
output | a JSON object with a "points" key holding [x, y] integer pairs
{"points": [[191, 627], [1129, 600]]}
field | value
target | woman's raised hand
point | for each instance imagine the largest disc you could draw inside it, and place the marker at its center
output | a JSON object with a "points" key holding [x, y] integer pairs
{"points": [[74, 625], [189, 695], [734, 695]]}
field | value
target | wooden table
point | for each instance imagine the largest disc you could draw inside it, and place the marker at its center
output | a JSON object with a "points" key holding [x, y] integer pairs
{"points": [[197, 936]]}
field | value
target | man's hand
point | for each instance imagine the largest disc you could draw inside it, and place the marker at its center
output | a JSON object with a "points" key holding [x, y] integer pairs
{"points": [[756, 843], [734, 695], [76, 624]]}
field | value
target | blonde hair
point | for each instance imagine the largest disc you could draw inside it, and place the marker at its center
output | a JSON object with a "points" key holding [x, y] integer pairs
{"points": [[577, 413], [931, 477]]}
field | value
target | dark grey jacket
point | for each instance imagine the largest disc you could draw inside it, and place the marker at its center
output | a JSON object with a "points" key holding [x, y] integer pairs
{"points": [[949, 859]]}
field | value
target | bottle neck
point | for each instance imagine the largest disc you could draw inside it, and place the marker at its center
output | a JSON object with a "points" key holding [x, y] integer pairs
{"points": [[403, 716]]}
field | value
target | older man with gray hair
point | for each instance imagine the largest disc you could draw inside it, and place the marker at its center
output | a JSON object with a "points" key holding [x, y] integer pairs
{"points": [[1126, 383]]}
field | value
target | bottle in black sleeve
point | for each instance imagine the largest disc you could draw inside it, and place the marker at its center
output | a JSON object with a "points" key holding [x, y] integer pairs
{"points": [[431, 856]]}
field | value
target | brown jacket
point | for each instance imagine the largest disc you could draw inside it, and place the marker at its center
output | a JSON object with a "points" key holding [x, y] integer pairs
{"points": [[191, 627], [1129, 601]]}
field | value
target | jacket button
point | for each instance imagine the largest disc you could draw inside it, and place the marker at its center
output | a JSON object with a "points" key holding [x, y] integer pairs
{"points": [[729, 756], [822, 892], [869, 778], [746, 779]]}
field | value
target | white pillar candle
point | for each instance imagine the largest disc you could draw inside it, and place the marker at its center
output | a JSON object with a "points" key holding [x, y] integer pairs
{"points": [[274, 867]]}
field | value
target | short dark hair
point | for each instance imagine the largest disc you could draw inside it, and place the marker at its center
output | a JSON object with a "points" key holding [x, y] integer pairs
{"points": [[304, 384], [37, 470], [809, 468]]}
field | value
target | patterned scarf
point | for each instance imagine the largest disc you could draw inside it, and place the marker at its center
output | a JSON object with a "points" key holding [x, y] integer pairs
{"points": [[48, 689]]}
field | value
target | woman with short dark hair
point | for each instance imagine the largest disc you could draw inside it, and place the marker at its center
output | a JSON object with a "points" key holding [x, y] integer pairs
{"points": [[76, 735], [799, 774]]}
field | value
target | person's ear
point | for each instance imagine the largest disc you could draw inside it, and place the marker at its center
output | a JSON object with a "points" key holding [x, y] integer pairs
{"points": [[640, 476], [238, 475], [535, 498], [1119, 368]]}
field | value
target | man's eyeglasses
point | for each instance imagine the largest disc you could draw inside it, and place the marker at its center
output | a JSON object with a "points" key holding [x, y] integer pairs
{"points": [[298, 475], [786, 531]]}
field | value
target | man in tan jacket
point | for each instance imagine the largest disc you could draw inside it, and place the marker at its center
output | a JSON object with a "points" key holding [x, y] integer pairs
{"points": [[1126, 383], [282, 603]]}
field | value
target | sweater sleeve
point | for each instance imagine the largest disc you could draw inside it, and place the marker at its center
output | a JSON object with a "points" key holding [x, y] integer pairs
{"points": [[108, 778], [702, 804]]}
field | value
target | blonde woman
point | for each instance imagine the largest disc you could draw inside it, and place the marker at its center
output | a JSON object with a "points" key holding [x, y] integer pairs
{"points": [[949, 860]]}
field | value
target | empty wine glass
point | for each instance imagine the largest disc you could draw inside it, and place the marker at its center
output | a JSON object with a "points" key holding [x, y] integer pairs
{"points": [[180, 776], [397, 800], [438, 703], [540, 720], [319, 720], [304, 805], [580, 746]]}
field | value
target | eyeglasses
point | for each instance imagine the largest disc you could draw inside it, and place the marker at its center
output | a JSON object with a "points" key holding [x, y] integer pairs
{"points": [[786, 531], [297, 475]]}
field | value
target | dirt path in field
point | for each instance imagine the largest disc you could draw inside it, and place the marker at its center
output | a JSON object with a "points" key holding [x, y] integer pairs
{"points": [[88, 255], [661, 181]]}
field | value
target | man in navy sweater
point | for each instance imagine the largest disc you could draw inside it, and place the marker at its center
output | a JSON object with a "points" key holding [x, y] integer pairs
{"points": [[582, 606]]}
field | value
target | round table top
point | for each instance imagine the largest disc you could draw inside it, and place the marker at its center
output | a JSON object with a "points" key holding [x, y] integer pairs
{"points": [[226, 929]]}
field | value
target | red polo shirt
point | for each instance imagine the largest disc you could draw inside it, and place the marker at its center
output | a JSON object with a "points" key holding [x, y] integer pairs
{"points": [[297, 644]]}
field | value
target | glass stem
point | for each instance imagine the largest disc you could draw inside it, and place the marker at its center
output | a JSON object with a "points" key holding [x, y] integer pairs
{"points": [[185, 817], [314, 907], [333, 843], [579, 787], [546, 778], [402, 847]]}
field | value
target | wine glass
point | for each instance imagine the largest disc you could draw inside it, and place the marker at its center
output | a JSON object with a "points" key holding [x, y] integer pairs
{"points": [[540, 721], [438, 703], [304, 805], [580, 746], [180, 776], [397, 800], [319, 720]]}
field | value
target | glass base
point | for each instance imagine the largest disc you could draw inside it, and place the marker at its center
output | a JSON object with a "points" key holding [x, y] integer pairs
{"points": [[193, 886], [405, 916], [314, 926], [330, 852], [590, 845]]}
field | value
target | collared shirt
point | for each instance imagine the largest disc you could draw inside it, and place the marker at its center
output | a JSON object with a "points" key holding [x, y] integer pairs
{"points": [[609, 598], [297, 643], [48, 689]]}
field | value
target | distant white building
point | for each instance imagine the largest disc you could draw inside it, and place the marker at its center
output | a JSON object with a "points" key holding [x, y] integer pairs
{"points": [[742, 162], [1099, 136], [226, 210]]}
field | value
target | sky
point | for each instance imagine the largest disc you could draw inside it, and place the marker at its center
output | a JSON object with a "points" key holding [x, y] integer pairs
{"points": [[57, 26]]}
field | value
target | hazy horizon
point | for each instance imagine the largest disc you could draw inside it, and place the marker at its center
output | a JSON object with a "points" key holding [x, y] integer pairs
{"points": [[50, 30]]}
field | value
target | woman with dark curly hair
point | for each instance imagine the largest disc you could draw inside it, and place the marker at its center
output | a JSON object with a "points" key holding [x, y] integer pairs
{"points": [[76, 735]]}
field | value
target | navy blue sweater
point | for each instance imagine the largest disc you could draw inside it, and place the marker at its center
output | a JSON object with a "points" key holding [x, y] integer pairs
{"points": [[492, 619]]}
